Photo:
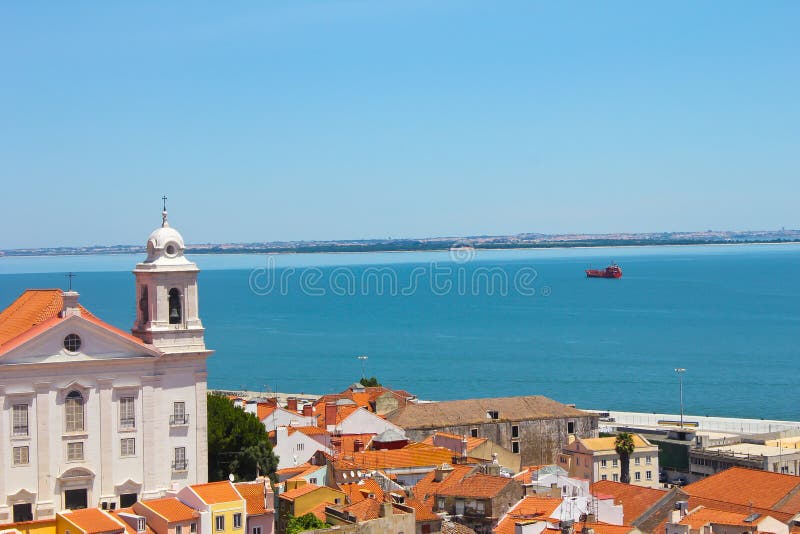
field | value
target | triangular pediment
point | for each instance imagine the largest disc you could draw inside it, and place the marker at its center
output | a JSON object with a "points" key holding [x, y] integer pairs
{"points": [[90, 340]]}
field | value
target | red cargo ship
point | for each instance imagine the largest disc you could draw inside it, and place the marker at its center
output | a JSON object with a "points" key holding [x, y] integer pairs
{"points": [[612, 271]]}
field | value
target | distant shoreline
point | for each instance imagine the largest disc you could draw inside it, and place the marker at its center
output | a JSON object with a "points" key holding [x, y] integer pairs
{"points": [[354, 249]]}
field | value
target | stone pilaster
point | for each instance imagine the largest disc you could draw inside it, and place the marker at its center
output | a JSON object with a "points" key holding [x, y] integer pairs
{"points": [[201, 427], [44, 431], [4, 457], [153, 459], [106, 437]]}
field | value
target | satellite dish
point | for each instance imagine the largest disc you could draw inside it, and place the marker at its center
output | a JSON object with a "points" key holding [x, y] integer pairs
{"points": [[352, 474], [230, 477], [358, 473], [344, 476]]}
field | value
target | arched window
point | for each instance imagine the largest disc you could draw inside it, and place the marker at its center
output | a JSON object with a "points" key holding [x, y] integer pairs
{"points": [[144, 306], [174, 306], [74, 410]]}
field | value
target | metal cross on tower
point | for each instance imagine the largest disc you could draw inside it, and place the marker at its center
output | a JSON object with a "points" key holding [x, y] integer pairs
{"points": [[164, 199], [70, 276]]}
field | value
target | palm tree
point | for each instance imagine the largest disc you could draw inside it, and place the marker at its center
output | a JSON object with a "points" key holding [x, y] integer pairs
{"points": [[624, 447]]}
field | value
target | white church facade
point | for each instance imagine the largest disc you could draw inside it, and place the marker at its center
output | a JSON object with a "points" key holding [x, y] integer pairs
{"points": [[95, 416]]}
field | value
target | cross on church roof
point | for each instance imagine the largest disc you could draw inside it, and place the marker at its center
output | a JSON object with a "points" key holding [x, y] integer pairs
{"points": [[164, 198], [70, 276]]}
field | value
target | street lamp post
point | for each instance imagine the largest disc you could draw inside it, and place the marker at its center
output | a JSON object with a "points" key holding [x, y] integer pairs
{"points": [[680, 371]]}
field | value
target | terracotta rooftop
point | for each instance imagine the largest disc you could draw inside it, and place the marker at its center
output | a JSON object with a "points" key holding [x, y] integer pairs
{"points": [[607, 444], [260, 499], [422, 511], [307, 471], [288, 472], [532, 507], [751, 487], [477, 486], [170, 508], [216, 492], [473, 411], [702, 516], [298, 492], [307, 430], [471, 442], [35, 311], [526, 475], [319, 511], [427, 488], [128, 527], [635, 500], [93, 521], [358, 491], [412, 455]]}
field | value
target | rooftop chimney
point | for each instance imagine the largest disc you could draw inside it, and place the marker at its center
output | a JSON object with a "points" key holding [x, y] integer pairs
{"points": [[308, 410], [386, 509], [70, 303], [291, 404], [330, 413]]}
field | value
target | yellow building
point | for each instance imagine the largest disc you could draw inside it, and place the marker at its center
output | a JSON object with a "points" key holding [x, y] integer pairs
{"points": [[304, 499], [42, 526], [222, 508], [88, 521], [596, 459]]}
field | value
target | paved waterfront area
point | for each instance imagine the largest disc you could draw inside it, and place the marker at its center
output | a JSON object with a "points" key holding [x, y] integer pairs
{"points": [[661, 421]]}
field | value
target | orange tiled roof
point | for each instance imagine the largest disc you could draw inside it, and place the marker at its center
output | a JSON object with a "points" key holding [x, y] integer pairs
{"points": [[605, 528], [369, 509], [427, 487], [702, 516], [529, 508], [358, 491], [307, 471], [292, 471], [37, 310], [256, 494], [752, 487], [93, 521], [171, 509], [299, 492], [307, 430], [347, 442], [478, 486], [319, 511], [128, 528], [421, 510], [216, 492], [264, 410], [635, 500], [412, 455], [526, 475], [471, 442]]}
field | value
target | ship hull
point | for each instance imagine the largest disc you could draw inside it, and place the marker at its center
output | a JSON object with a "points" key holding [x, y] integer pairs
{"points": [[608, 272]]}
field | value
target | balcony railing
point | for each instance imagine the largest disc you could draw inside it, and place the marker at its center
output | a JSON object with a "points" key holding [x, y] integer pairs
{"points": [[180, 465], [179, 419]]}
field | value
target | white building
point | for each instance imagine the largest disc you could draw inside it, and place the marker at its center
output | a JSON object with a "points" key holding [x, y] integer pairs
{"points": [[93, 415]]}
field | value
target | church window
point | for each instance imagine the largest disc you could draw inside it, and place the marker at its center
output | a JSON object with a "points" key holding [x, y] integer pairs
{"points": [[174, 306], [74, 411], [144, 306], [127, 413], [127, 447], [20, 420], [75, 451], [72, 342], [21, 455]]}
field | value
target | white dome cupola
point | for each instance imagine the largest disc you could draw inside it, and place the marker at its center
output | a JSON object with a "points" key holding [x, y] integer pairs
{"points": [[165, 244], [166, 294]]}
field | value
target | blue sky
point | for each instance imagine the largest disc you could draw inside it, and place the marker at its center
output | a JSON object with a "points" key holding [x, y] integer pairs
{"points": [[334, 120]]}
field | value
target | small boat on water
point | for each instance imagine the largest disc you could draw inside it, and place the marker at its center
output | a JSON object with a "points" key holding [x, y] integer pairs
{"points": [[612, 271]]}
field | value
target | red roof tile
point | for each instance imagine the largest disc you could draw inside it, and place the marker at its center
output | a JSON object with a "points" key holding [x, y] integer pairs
{"points": [[259, 497], [737, 485], [532, 507], [93, 521], [217, 492], [635, 500], [170, 508], [477, 486]]}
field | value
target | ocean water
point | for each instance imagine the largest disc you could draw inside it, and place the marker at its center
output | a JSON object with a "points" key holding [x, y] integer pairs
{"points": [[492, 323]]}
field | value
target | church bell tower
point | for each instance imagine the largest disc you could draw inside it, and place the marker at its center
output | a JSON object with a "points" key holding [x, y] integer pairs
{"points": [[167, 314]]}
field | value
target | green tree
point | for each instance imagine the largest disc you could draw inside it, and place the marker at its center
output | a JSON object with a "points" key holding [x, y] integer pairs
{"points": [[303, 523], [238, 443], [624, 447], [369, 382]]}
